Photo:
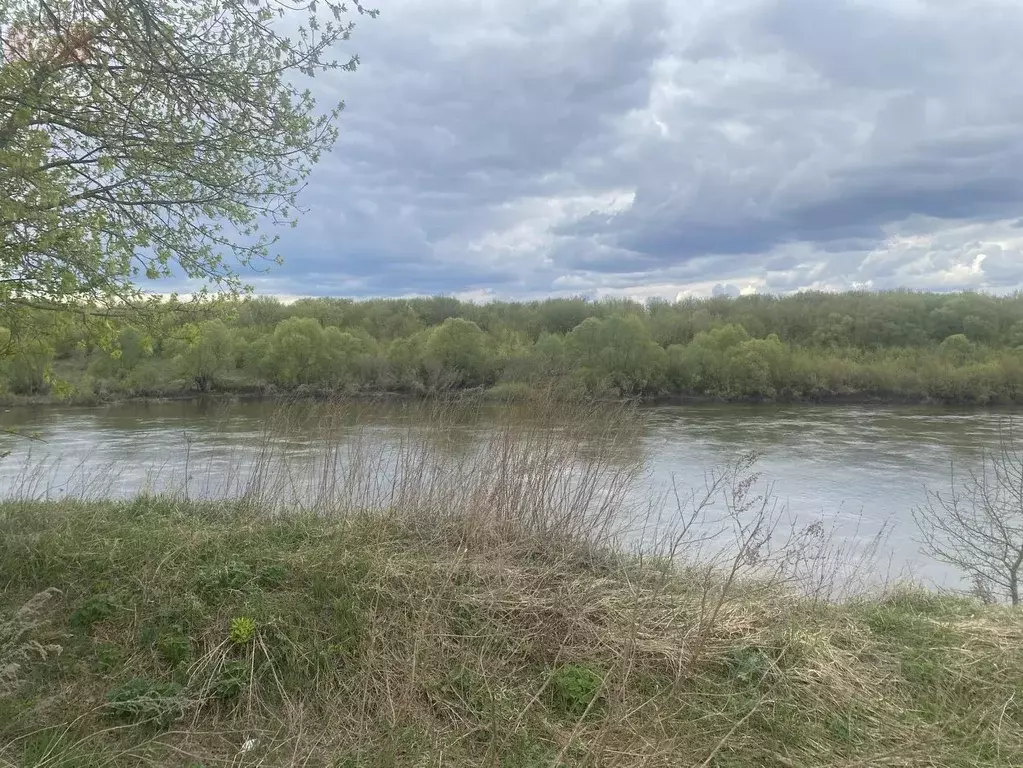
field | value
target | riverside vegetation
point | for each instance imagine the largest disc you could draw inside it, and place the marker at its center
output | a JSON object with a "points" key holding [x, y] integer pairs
{"points": [[501, 607], [897, 346]]}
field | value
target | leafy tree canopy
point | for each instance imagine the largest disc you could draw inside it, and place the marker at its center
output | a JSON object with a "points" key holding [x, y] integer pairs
{"points": [[146, 138]]}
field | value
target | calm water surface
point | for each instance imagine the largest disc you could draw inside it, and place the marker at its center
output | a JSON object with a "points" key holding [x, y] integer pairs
{"points": [[856, 468]]}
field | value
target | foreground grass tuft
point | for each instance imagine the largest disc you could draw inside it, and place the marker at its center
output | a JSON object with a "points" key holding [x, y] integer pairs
{"points": [[211, 635]]}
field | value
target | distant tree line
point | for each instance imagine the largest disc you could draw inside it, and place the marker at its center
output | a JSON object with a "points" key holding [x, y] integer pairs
{"points": [[956, 348]]}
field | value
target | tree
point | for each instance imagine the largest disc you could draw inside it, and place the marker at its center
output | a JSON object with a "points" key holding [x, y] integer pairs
{"points": [[549, 358], [617, 352], [558, 315], [709, 364], [957, 349], [346, 356], [754, 366], [144, 138], [1016, 335], [977, 526], [403, 359], [28, 372], [456, 353], [837, 331], [209, 354], [297, 352], [132, 347], [668, 325]]}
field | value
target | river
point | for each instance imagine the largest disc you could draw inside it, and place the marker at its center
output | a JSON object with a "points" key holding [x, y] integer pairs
{"points": [[859, 469]]}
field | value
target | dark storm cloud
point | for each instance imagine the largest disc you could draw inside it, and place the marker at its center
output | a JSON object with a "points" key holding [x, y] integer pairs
{"points": [[449, 104], [585, 146], [458, 109]]}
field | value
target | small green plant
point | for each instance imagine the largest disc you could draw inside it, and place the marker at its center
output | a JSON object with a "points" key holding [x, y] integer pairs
{"points": [[173, 648], [141, 700], [465, 621], [230, 681], [243, 629], [748, 665], [233, 575], [526, 752], [108, 656], [94, 610], [180, 613], [574, 688]]}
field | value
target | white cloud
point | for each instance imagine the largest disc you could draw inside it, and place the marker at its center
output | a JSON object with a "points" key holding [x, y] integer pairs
{"points": [[657, 148]]}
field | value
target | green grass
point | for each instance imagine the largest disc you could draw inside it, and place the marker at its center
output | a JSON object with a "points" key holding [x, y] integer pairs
{"points": [[191, 629]]}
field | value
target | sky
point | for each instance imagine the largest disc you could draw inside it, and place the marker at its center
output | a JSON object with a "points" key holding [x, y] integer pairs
{"points": [[640, 148]]}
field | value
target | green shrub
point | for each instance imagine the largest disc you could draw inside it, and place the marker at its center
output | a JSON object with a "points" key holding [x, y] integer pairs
{"points": [[230, 681], [108, 657], [94, 610], [174, 648], [574, 687], [748, 665]]}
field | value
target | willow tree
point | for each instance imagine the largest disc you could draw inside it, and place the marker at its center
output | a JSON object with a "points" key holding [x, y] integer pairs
{"points": [[141, 139]]}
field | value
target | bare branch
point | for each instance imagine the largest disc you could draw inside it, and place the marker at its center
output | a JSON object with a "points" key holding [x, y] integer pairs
{"points": [[978, 526]]}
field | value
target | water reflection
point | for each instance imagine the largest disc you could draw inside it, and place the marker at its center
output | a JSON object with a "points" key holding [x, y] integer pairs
{"points": [[854, 467]]}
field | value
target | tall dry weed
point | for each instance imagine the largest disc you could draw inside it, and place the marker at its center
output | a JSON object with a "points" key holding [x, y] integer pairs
{"points": [[20, 646]]}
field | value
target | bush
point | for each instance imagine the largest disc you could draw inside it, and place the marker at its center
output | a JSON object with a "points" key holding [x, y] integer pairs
{"points": [[574, 687], [456, 354], [174, 648], [230, 681], [94, 610]]}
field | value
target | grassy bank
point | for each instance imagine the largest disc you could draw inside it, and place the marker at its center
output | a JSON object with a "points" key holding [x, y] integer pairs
{"points": [[211, 635], [461, 598]]}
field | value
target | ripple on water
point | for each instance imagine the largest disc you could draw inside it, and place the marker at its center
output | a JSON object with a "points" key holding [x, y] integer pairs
{"points": [[856, 466]]}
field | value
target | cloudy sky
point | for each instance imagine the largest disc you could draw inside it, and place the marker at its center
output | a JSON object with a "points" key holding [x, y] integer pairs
{"points": [[500, 148]]}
